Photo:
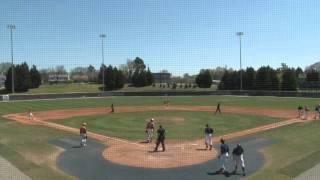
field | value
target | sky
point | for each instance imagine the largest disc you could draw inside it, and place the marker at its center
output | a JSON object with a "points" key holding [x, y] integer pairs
{"points": [[181, 36]]}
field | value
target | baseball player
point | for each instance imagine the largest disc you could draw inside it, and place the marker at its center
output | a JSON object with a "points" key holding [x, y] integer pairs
{"points": [[83, 135], [208, 136], [161, 137], [317, 111], [30, 115], [306, 111], [218, 109], [112, 108], [150, 129], [300, 111], [224, 156], [238, 159]]}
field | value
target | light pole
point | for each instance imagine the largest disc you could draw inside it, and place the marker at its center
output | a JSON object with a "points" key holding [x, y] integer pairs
{"points": [[12, 27], [240, 34], [102, 36]]}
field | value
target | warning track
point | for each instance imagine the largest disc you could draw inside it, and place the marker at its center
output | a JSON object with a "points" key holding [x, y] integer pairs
{"points": [[179, 153]]}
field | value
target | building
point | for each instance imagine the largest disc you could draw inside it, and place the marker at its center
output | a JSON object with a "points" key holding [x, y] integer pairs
{"points": [[58, 78], [161, 77]]}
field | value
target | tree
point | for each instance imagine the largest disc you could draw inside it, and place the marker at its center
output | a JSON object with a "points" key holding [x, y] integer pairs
{"points": [[225, 81], [289, 80], [312, 75], [140, 76], [22, 80], [299, 71], [35, 77], [249, 79], [92, 74], [266, 79], [100, 73], [204, 79], [4, 67], [149, 77]]}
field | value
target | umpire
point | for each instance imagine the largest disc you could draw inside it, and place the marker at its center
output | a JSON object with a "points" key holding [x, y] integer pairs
{"points": [[161, 137]]}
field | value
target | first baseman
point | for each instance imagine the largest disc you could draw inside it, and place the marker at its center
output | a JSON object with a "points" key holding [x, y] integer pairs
{"points": [[208, 136]]}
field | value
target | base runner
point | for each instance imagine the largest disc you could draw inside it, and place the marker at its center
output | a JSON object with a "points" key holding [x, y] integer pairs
{"points": [[238, 159], [208, 136], [224, 156]]}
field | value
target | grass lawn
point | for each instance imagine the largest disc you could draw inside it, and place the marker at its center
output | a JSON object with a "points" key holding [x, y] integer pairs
{"points": [[28, 149], [297, 150], [260, 102], [179, 124], [84, 87]]}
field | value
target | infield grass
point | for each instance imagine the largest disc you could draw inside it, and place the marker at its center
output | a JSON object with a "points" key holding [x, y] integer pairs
{"points": [[181, 125]]}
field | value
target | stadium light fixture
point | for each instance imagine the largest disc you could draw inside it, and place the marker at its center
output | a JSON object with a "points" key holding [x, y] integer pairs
{"points": [[12, 27], [240, 34], [102, 36]]}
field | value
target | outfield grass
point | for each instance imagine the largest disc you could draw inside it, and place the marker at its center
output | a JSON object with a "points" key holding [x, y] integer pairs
{"points": [[84, 87], [260, 102], [27, 148], [297, 150], [131, 126]]}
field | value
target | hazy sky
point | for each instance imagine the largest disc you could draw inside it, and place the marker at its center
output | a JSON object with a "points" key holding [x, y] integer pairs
{"points": [[180, 36]]}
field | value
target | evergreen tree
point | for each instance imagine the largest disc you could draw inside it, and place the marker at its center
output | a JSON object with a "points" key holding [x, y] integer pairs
{"points": [[204, 79], [35, 77], [289, 80]]}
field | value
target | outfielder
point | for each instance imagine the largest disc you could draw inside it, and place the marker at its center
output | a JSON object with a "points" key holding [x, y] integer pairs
{"points": [[83, 135], [238, 159], [224, 156], [150, 129], [208, 136], [112, 108]]}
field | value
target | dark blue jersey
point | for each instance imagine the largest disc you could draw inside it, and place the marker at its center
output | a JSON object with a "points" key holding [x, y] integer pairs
{"points": [[208, 130], [224, 148]]}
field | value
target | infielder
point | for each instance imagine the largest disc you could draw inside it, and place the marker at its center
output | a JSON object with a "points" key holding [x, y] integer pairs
{"points": [[224, 156], [112, 108], [208, 136], [317, 111], [150, 129], [300, 111], [218, 109], [83, 135], [238, 159], [30, 115], [306, 111], [161, 137]]}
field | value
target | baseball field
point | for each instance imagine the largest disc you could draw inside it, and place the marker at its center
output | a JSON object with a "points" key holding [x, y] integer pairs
{"points": [[28, 144]]}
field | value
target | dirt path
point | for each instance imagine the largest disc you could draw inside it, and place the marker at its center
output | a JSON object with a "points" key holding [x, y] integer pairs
{"points": [[139, 154]]}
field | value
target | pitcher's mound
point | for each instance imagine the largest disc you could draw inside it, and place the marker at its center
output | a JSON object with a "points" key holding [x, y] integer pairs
{"points": [[167, 119]]}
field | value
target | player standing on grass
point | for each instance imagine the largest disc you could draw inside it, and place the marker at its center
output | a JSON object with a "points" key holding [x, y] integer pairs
{"points": [[317, 111], [238, 159], [300, 111], [161, 137], [208, 136], [150, 129], [83, 135], [218, 109], [112, 108], [224, 156]]}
